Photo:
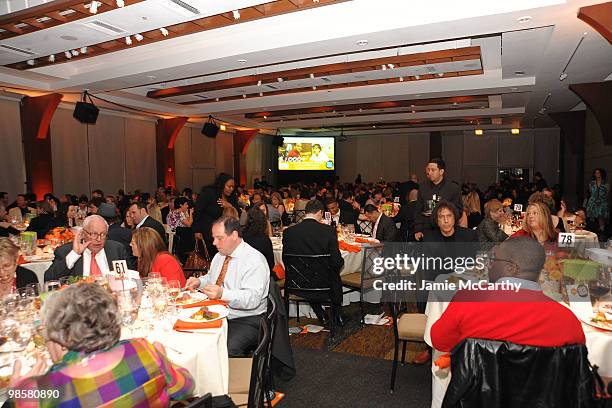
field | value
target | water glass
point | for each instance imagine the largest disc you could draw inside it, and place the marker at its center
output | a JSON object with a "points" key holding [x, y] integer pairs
{"points": [[52, 285]]}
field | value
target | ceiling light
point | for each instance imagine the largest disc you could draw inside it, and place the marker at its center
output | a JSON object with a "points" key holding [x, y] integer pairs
{"points": [[128, 40], [74, 53], [401, 79], [68, 54], [374, 126], [413, 111], [384, 67], [417, 77], [259, 83], [360, 109], [216, 99], [222, 128], [120, 3], [314, 88], [478, 132], [265, 117], [311, 76], [279, 79], [440, 74], [30, 62], [391, 66], [83, 50], [362, 43], [243, 96], [164, 31], [242, 61], [236, 14], [138, 37], [93, 7], [315, 1], [519, 72], [523, 19], [542, 111], [563, 76], [261, 94], [412, 106], [515, 131], [514, 88], [52, 58]]}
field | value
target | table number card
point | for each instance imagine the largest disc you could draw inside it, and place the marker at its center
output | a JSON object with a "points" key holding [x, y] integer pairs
{"points": [[396, 199], [120, 267], [579, 299], [518, 207], [567, 240]]}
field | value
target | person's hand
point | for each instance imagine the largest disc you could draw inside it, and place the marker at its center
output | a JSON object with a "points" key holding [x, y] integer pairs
{"points": [[79, 244], [39, 368], [213, 291], [223, 202], [418, 236], [193, 283], [198, 235]]}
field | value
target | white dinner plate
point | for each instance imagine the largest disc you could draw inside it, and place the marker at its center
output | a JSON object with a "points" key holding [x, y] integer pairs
{"points": [[602, 326], [195, 298], [186, 314]]}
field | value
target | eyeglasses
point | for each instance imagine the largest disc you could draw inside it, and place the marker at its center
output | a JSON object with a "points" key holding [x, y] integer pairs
{"points": [[95, 235], [492, 260]]}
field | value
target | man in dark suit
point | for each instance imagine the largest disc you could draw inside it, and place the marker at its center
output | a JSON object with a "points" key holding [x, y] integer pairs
{"points": [[89, 254], [138, 210], [116, 232], [383, 227], [311, 237], [341, 216]]}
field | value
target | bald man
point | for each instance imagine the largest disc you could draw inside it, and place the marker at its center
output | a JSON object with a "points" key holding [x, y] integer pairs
{"points": [[89, 254]]}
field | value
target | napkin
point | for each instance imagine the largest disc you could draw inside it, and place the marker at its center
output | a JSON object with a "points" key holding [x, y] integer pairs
{"points": [[207, 302], [181, 325], [362, 240], [443, 361], [348, 247], [279, 271]]}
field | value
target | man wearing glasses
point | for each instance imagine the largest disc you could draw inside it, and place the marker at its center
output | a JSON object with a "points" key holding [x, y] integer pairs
{"points": [[89, 254]]}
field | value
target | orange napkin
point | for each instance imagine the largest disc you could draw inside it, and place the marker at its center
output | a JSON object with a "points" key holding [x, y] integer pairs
{"points": [[348, 247], [181, 325], [279, 271], [207, 302], [21, 260], [443, 361], [362, 240]]}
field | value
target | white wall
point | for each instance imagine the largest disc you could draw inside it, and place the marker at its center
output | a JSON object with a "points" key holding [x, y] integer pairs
{"points": [[12, 176], [596, 154], [391, 158], [260, 159]]}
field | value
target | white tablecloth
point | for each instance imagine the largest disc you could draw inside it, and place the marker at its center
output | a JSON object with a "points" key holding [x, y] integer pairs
{"points": [[38, 268], [598, 342], [352, 260], [202, 353]]}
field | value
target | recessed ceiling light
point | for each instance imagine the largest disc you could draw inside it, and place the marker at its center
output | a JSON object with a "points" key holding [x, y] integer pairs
{"points": [[242, 61], [514, 88], [222, 128], [362, 43], [151, 76], [519, 72], [69, 38], [478, 132], [523, 19]]}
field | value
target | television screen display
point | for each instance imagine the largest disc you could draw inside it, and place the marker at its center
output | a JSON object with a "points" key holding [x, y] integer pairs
{"points": [[306, 153]]}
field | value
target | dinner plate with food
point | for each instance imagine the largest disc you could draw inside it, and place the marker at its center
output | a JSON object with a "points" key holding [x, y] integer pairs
{"points": [[599, 320], [204, 314], [188, 298]]}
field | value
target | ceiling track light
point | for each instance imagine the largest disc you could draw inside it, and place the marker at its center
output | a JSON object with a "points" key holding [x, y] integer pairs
{"points": [[312, 76], [417, 77], [279, 79], [314, 88], [236, 14], [120, 3], [138, 37], [384, 67], [74, 53], [261, 94], [30, 62], [51, 58], [128, 40], [93, 7], [259, 83], [542, 110], [563, 75], [401, 79], [391, 66], [83, 50], [164, 31], [243, 96], [67, 54]]}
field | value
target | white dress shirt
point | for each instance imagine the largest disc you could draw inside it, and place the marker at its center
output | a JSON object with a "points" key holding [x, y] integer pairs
{"points": [[245, 287], [101, 260], [375, 229], [142, 222], [336, 218]]}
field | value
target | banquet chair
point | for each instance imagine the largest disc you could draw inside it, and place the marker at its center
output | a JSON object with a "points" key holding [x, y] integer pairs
{"points": [[205, 401], [298, 216], [362, 281], [307, 279], [489, 373], [365, 226], [407, 328]]}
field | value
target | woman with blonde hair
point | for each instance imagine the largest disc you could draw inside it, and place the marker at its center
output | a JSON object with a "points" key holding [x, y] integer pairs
{"points": [[12, 277], [152, 256], [489, 229], [471, 207], [538, 224]]}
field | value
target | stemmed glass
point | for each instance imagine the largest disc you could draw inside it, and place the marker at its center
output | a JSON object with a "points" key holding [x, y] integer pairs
{"points": [[128, 307], [174, 290]]}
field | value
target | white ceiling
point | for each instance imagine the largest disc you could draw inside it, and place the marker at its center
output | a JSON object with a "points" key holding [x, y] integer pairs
{"points": [[540, 48]]}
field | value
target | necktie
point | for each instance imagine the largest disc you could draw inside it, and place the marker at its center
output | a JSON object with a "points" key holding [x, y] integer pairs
{"points": [[94, 269], [221, 277]]}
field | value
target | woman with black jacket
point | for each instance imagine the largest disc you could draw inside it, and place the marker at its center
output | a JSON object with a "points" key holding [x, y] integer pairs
{"points": [[210, 205], [255, 233]]}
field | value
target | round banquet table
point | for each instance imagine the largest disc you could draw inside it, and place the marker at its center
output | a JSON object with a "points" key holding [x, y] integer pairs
{"points": [[598, 342], [202, 352], [38, 268]]}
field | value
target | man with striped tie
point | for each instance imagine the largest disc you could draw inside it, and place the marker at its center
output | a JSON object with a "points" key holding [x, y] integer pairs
{"points": [[239, 275]]}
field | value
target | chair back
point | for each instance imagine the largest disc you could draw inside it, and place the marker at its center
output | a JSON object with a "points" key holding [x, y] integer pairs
{"points": [[298, 215], [365, 226], [259, 369], [205, 401], [370, 253], [488, 373], [307, 272]]}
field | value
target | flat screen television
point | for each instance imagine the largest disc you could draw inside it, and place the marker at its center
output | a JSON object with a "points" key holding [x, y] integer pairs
{"points": [[306, 153]]}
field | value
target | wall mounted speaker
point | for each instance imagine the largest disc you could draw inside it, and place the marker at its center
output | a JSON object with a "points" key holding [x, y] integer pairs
{"points": [[210, 129], [86, 113]]}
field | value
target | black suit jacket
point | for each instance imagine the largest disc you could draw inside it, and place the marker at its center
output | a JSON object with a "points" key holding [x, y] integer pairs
{"points": [[24, 277], [310, 237], [124, 236], [386, 231], [461, 235], [151, 222], [114, 252], [42, 225]]}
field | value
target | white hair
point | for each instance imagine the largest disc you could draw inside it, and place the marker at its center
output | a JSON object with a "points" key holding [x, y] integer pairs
{"points": [[93, 217]]}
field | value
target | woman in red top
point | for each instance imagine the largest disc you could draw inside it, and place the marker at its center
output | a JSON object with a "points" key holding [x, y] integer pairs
{"points": [[152, 256], [538, 224]]}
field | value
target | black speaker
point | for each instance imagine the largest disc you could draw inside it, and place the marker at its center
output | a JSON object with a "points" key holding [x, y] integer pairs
{"points": [[278, 141], [86, 112], [210, 129]]}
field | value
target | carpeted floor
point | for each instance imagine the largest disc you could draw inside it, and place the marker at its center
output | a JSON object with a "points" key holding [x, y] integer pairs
{"points": [[354, 369]]}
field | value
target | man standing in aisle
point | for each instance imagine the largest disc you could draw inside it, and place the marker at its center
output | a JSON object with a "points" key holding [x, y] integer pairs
{"points": [[436, 188]]}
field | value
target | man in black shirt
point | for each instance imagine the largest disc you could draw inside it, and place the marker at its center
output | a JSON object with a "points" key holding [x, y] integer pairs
{"points": [[436, 188]]}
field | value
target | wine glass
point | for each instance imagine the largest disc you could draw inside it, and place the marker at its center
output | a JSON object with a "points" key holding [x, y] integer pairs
{"points": [[52, 285], [128, 307], [600, 286], [174, 290]]}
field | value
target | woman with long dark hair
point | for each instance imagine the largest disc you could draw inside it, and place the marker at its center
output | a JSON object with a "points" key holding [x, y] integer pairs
{"points": [[597, 203], [256, 234], [210, 205]]}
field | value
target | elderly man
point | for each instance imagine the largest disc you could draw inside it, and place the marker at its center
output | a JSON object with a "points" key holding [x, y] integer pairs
{"points": [[239, 274], [139, 212], [89, 254]]}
